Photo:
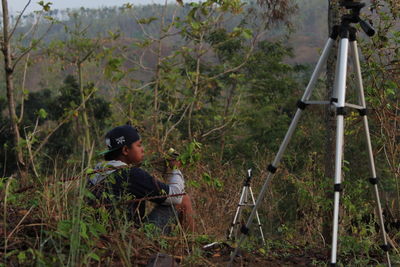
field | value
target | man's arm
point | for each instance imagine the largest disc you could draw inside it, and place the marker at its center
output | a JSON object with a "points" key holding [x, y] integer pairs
{"points": [[142, 184]]}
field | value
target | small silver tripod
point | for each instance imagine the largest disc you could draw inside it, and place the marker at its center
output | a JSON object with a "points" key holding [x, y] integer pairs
{"points": [[347, 35], [244, 202]]}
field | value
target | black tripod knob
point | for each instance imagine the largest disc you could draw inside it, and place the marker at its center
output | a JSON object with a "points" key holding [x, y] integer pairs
{"points": [[248, 179], [368, 29]]}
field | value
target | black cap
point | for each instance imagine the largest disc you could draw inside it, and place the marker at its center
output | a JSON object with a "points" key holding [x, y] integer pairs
{"points": [[121, 136]]}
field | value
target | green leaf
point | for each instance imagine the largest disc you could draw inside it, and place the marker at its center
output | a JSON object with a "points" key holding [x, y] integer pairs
{"points": [[11, 253], [21, 257], [89, 194], [195, 25], [45, 6], [94, 256], [97, 228], [218, 184], [193, 183], [146, 20], [42, 113], [207, 178], [64, 228], [127, 6], [84, 230], [247, 33]]}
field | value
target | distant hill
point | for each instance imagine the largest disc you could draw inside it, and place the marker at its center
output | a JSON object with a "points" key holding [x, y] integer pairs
{"points": [[309, 24]]}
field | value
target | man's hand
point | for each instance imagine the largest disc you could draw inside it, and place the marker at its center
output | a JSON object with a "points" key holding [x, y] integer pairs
{"points": [[174, 163]]}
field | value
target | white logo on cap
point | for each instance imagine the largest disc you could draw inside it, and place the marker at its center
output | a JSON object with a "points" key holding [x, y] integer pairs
{"points": [[120, 140], [108, 142]]}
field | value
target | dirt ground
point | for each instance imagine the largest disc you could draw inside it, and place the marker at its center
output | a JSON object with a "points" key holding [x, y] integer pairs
{"points": [[219, 255]]}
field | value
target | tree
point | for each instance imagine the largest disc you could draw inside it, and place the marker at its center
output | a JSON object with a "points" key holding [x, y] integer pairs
{"points": [[62, 143], [12, 56], [77, 50], [9, 71]]}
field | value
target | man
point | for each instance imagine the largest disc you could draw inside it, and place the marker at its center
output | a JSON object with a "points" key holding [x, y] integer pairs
{"points": [[124, 149]]}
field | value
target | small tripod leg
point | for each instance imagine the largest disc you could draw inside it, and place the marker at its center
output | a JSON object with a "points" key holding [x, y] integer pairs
{"points": [[373, 179], [245, 204], [236, 219], [257, 217]]}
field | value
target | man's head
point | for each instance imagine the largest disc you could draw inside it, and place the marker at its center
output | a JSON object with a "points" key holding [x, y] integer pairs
{"points": [[123, 143]]}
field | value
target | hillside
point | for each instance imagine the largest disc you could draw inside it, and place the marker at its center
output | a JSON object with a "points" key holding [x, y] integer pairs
{"points": [[202, 93]]}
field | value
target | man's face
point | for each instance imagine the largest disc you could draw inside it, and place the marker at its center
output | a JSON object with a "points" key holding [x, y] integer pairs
{"points": [[135, 153]]}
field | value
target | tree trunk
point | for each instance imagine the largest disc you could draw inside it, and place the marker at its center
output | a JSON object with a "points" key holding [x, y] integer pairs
{"points": [[330, 121], [9, 70]]}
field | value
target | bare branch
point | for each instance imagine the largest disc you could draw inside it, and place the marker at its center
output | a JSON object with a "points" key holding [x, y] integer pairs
{"points": [[140, 63], [176, 124], [31, 47], [223, 125], [18, 19], [29, 138], [242, 63], [144, 31], [63, 121], [143, 86], [34, 29]]}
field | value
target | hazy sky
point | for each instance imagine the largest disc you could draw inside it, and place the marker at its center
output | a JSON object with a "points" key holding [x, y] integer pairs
{"points": [[18, 5]]}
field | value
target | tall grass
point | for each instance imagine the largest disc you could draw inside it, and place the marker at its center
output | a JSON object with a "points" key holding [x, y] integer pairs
{"points": [[52, 224]]}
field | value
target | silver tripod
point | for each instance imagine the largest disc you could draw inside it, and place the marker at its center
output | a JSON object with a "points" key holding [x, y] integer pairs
{"points": [[244, 202], [347, 35]]}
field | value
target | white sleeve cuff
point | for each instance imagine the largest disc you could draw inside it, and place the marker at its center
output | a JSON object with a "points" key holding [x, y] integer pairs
{"points": [[176, 186]]}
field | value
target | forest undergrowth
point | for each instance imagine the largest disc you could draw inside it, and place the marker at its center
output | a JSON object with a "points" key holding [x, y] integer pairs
{"points": [[49, 222]]}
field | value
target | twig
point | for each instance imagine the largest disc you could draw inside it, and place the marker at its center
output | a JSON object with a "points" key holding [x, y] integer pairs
{"points": [[67, 118], [5, 213], [34, 45], [137, 200], [173, 126], [29, 139], [18, 19], [16, 227]]}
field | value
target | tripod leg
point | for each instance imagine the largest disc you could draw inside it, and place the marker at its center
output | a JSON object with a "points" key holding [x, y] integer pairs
{"points": [[257, 217], [238, 212], [374, 179], [246, 196], [245, 203], [341, 92], [285, 142]]}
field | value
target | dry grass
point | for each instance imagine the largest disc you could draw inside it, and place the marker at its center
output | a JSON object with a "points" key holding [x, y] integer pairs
{"points": [[50, 224]]}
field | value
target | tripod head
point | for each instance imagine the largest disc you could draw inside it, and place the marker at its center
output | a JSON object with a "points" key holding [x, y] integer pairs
{"points": [[248, 179], [354, 16]]}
